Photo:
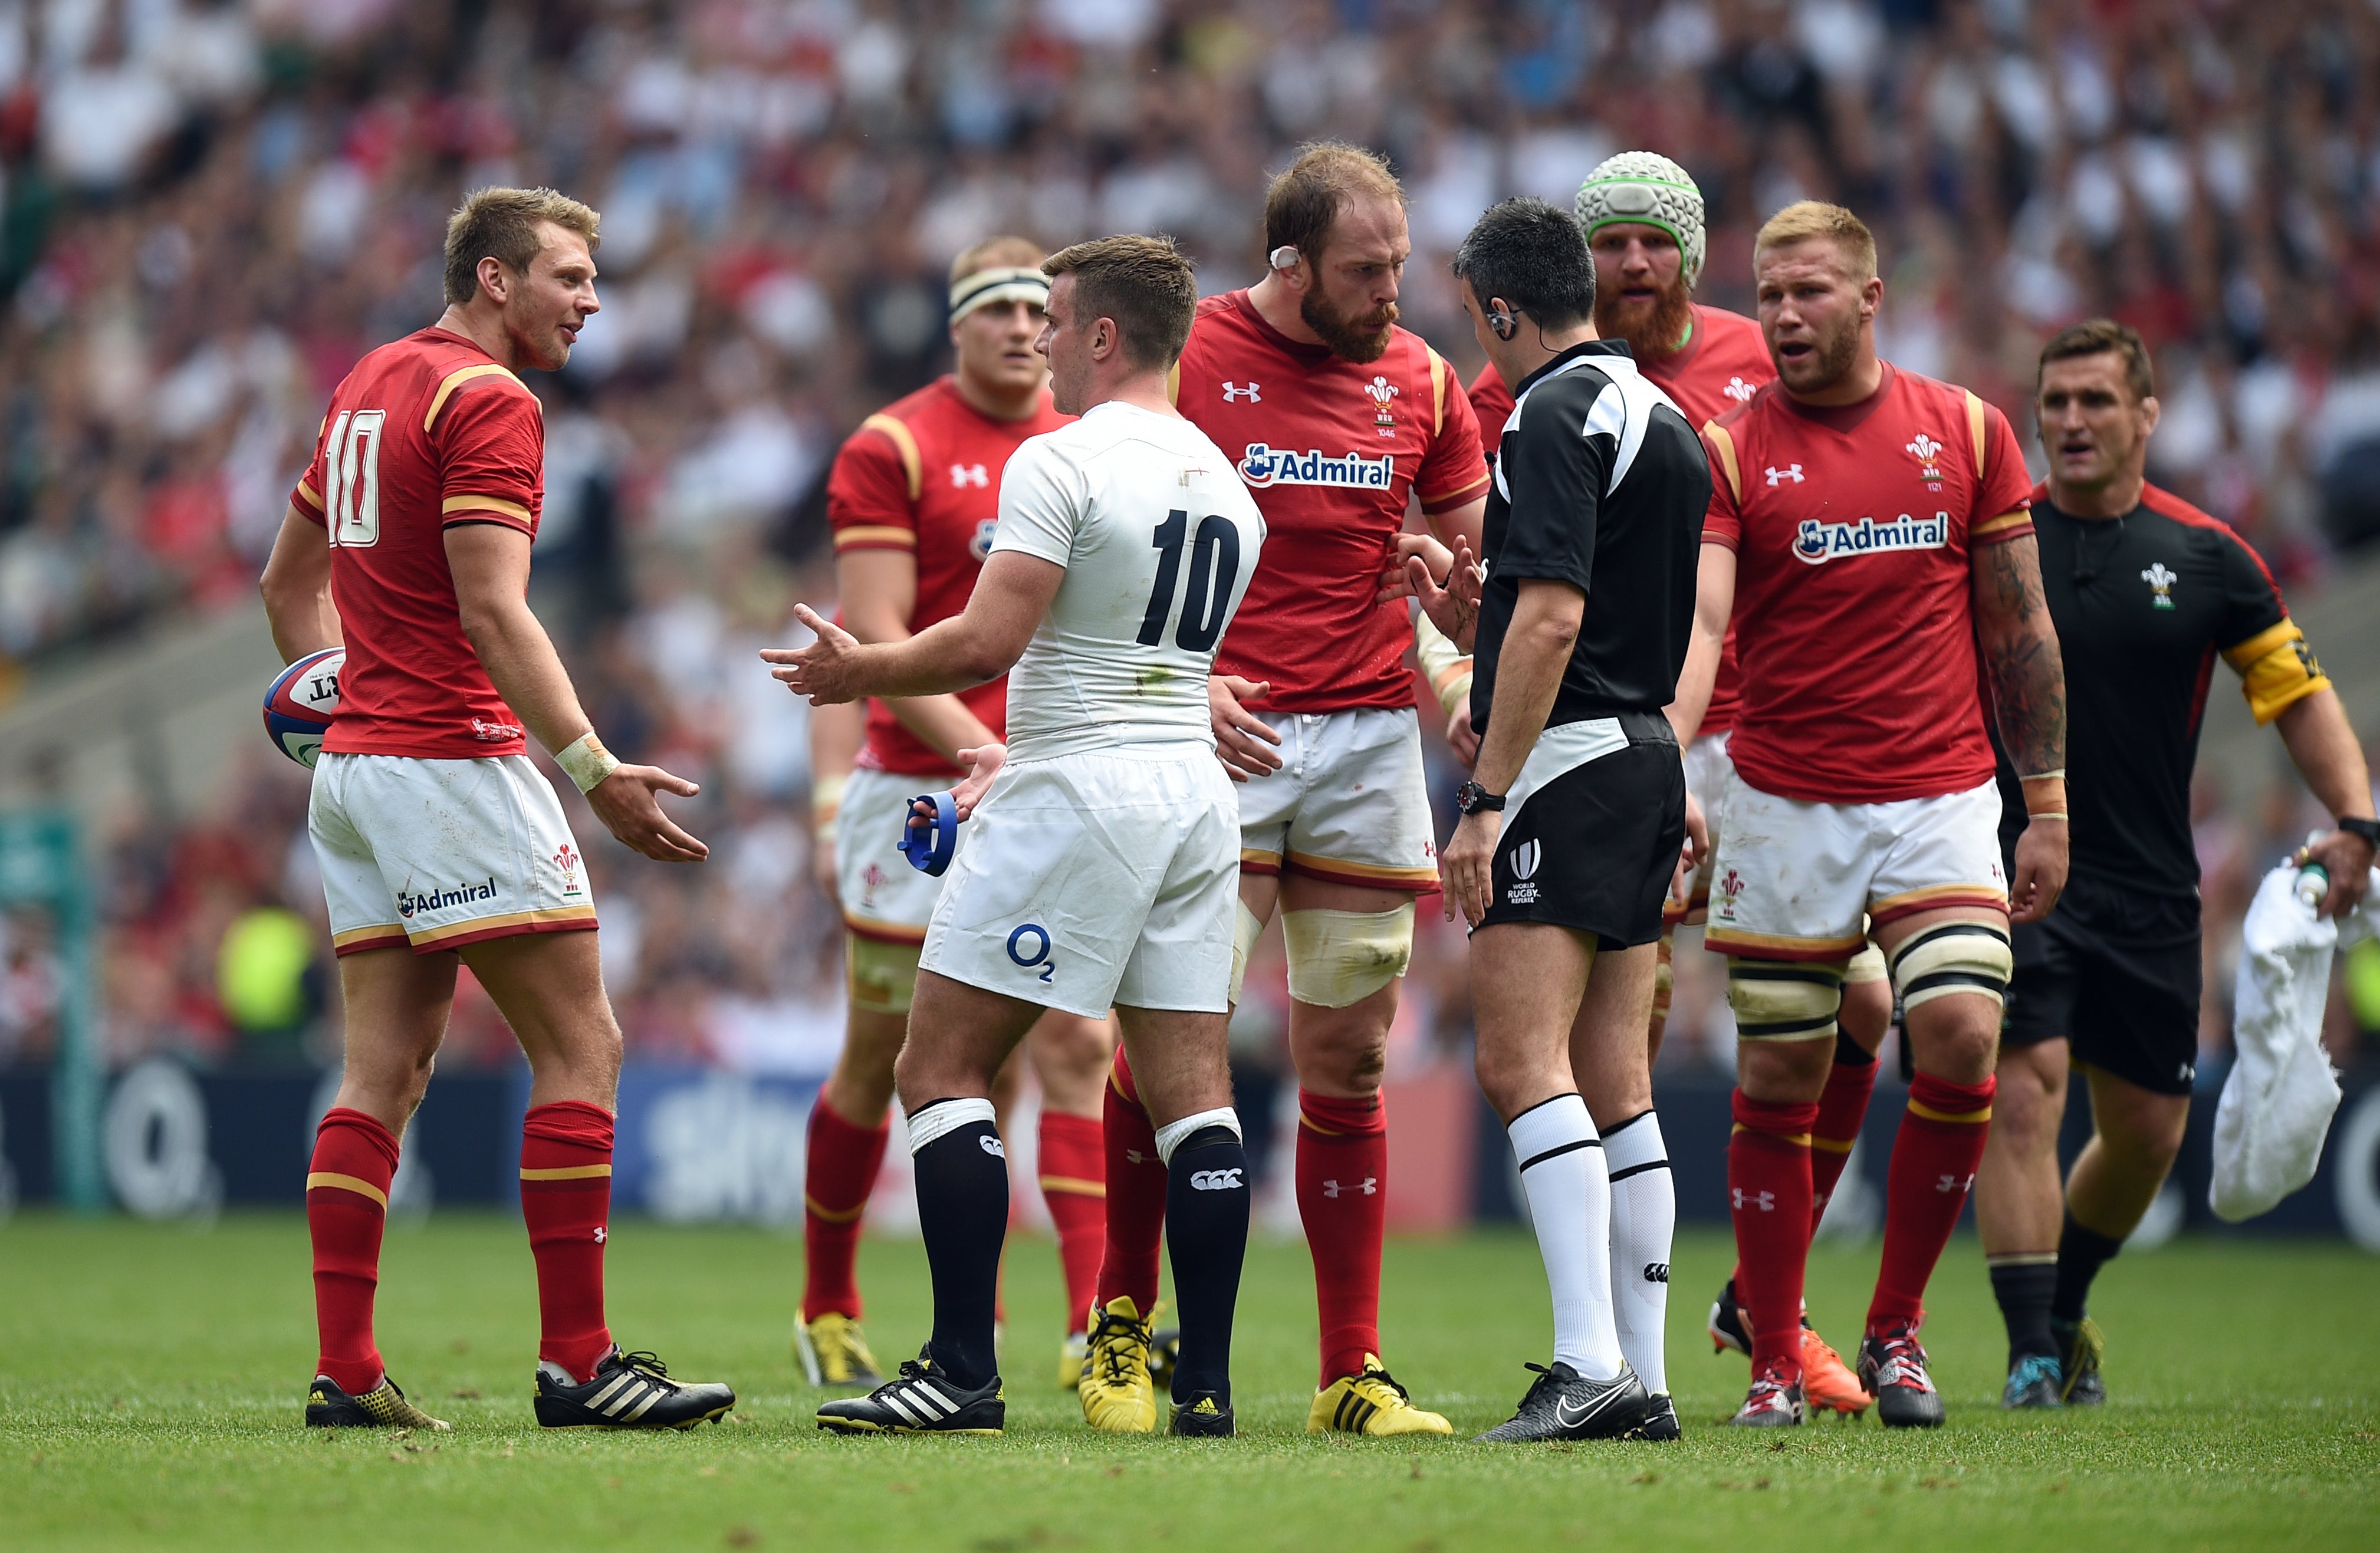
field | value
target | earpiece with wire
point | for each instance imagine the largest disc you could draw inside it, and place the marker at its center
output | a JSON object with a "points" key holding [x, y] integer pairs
{"points": [[1505, 325]]}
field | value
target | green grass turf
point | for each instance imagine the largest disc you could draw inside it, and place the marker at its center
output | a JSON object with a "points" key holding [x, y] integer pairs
{"points": [[150, 1381]]}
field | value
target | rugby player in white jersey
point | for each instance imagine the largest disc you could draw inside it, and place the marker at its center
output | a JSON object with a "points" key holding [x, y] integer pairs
{"points": [[1104, 863]]}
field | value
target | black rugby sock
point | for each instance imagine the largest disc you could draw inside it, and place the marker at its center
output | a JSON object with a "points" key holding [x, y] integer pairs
{"points": [[2024, 1284], [963, 1211], [2081, 1252], [1206, 1232]]}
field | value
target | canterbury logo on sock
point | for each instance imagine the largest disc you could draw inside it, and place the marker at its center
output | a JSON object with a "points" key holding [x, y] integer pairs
{"points": [[1216, 1180], [1657, 1272], [993, 1146]]}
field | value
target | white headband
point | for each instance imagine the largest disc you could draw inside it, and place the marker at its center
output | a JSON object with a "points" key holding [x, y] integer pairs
{"points": [[986, 287]]}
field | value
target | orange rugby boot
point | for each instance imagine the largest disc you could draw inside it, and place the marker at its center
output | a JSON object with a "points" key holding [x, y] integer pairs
{"points": [[1827, 1381]]}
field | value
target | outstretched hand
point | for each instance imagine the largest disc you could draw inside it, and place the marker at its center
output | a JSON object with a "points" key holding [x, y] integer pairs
{"points": [[628, 803], [983, 763], [1243, 742], [826, 670]]}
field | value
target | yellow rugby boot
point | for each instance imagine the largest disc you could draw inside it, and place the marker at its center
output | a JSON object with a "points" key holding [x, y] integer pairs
{"points": [[834, 1352], [383, 1407], [1370, 1403], [1117, 1393]]}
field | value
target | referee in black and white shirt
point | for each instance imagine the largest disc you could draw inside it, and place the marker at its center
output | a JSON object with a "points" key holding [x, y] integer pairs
{"points": [[1573, 822]]}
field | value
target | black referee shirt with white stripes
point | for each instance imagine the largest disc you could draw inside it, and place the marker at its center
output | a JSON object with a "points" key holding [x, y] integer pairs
{"points": [[1600, 483]]}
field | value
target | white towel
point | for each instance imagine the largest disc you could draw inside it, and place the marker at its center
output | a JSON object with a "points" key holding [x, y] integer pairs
{"points": [[2280, 1096]]}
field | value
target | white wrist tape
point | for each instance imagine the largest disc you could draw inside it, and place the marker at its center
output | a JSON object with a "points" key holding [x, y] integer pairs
{"points": [[585, 761]]}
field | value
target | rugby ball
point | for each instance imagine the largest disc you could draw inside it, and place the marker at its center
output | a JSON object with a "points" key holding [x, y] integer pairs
{"points": [[304, 697]]}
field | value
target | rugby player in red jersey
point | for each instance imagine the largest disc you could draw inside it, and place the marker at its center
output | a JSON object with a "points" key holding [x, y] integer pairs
{"points": [[1643, 216], [914, 497], [440, 844], [1868, 534], [1338, 420]]}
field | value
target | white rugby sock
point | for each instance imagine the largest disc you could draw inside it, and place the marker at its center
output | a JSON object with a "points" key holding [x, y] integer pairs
{"points": [[1570, 1202], [1644, 1219]]}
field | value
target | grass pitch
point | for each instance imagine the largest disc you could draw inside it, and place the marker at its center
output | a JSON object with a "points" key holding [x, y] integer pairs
{"points": [[151, 1382]]}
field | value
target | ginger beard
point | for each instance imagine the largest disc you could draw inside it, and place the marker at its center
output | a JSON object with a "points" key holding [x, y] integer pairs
{"points": [[1358, 338], [1654, 326]]}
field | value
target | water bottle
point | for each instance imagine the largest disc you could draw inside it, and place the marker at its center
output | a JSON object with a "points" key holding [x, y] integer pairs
{"points": [[2313, 880]]}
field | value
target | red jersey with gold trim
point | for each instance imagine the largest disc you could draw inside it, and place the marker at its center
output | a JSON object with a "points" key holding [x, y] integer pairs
{"points": [[1331, 449], [1724, 363], [1853, 528], [922, 476], [426, 432]]}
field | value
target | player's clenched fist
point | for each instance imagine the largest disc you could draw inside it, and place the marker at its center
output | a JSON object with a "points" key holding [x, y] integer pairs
{"points": [[1466, 868], [826, 670]]}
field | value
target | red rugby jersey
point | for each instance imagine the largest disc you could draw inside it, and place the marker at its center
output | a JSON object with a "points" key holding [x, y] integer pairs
{"points": [[424, 433], [1853, 528], [1723, 365], [922, 475], [1331, 449]]}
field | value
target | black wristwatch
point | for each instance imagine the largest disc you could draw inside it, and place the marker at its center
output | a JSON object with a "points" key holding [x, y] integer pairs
{"points": [[1471, 798], [2353, 825]]}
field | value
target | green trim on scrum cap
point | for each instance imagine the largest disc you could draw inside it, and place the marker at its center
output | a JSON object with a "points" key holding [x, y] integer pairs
{"points": [[1646, 188]]}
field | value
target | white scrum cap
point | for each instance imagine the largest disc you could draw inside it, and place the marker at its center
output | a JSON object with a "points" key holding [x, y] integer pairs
{"points": [[1648, 186]]}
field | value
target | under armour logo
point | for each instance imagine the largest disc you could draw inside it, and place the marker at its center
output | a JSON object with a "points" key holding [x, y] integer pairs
{"points": [[1950, 1183], [1216, 1180], [964, 475], [1791, 471], [1234, 392], [1136, 1156], [599, 1235], [1369, 1186], [1764, 1201], [992, 1146]]}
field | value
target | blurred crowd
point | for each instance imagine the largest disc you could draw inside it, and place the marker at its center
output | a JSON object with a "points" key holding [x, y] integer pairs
{"points": [[209, 209]]}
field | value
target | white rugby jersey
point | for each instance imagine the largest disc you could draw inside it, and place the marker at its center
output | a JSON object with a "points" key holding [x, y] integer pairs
{"points": [[1158, 538]]}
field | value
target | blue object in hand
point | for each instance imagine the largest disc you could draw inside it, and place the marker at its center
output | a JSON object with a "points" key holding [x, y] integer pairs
{"points": [[929, 849]]}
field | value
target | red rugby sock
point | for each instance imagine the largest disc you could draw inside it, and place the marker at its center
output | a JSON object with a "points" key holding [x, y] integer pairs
{"points": [[1073, 1184], [843, 1159], [347, 1207], [1934, 1159], [1768, 1191], [566, 1199], [1842, 1106], [1342, 1184], [1136, 1194]]}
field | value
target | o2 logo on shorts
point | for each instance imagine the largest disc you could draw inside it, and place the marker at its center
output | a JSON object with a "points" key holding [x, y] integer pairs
{"points": [[1029, 946]]}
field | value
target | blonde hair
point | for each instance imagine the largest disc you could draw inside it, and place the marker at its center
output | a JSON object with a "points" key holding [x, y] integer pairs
{"points": [[1805, 219], [997, 253], [503, 224]]}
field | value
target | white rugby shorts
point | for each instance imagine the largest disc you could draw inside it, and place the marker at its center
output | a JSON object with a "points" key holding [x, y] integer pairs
{"points": [[1793, 879], [1349, 804], [884, 898], [1707, 768], [442, 854], [1095, 879]]}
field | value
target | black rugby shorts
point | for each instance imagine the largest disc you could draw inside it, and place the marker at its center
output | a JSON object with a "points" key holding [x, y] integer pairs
{"points": [[1594, 849], [2117, 973]]}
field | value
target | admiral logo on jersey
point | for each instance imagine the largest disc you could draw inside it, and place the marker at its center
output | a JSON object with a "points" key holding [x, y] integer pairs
{"points": [[1263, 466], [1818, 543]]}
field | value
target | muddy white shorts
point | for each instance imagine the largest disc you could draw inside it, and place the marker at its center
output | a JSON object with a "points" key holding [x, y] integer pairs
{"points": [[1349, 804], [1707, 768], [1095, 879], [1792, 877], [440, 853], [884, 897]]}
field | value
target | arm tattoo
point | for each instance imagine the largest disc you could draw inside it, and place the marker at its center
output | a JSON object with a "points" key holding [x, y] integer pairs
{"points": [[2021, 653]]}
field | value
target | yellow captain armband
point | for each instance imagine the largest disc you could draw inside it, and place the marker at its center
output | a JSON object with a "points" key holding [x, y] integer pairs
{"points": [[2276, 669], [1447, 666]]}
